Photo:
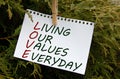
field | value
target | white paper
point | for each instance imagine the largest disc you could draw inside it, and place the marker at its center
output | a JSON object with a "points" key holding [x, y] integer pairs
{"points": [[40, 42]]}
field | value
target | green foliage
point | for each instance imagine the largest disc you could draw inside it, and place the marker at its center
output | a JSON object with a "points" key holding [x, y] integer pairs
{"points": [[104, 58]]}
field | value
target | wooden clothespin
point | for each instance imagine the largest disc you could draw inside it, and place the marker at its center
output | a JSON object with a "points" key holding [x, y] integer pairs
{"points": [[54, 11]]}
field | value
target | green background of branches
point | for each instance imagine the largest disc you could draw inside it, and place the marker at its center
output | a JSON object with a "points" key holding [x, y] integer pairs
{"points": [[104, 58]]}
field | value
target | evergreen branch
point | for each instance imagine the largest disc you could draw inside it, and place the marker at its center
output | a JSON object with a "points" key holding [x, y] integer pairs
{"points": [[6, 38]]}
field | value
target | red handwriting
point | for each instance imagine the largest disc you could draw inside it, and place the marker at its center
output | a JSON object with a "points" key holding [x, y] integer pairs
{"points": [[33, 35]]}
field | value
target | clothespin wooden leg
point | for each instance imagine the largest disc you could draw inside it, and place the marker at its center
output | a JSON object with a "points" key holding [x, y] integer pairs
{"points": [[54, 11]]}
